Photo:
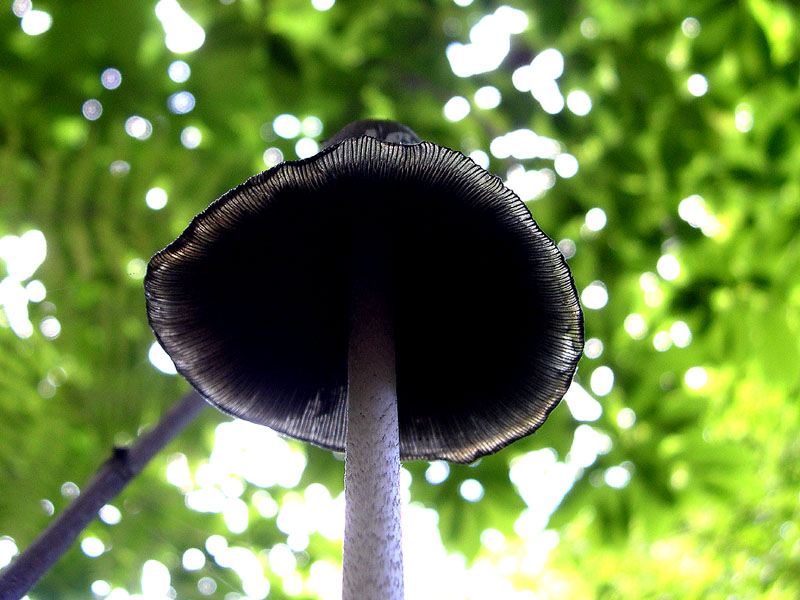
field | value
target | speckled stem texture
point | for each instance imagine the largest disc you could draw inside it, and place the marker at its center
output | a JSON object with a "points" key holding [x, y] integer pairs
{"points": [[372, 560]]}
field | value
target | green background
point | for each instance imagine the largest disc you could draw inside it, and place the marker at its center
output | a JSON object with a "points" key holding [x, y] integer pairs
{"points": [[710, 509]]}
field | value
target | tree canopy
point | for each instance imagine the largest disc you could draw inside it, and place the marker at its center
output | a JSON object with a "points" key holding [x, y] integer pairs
{"points": [[656, 142]]}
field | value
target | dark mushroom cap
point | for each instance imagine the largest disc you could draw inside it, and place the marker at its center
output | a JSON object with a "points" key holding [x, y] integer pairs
{"points": [[251, 300]]}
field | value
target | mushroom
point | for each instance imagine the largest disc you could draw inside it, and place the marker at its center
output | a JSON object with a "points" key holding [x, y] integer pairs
{"points": [[388, 298]]}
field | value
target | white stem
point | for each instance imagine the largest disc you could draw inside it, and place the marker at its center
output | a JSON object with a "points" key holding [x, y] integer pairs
{"points": [[372, 560]]}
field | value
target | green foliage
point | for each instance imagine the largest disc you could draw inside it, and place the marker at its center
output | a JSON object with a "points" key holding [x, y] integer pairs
{"points": [[711, 508]]}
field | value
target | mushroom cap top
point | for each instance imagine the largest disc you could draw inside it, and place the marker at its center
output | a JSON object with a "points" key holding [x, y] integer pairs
{"points": [[251, 300]]}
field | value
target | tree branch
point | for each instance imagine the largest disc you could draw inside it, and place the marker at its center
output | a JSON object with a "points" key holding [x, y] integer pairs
{"points": [[109, 480]]}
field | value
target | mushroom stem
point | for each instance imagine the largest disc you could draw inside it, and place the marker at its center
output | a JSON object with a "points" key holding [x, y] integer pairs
{"points": [[372, 560]]}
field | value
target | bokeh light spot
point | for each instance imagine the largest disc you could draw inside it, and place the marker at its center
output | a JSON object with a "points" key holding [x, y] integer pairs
{"points": [[596, 219], [744, 118], [668, 267], [306, 147], [47, 506], [581, 403], [156, 198], [437, 472], [323, 5], [179, 71], [626, 418], [36, 22], [697, 84], [617, 477], [178, 473], [696, 378], [661, 341], [456, 108], [481, 158], [488, 97], [311, 126], [206, 586], [111, 78], [155, 579], [523, 144], [602, 381], [282, 561], [36, 291], [92, 109], [593, 348], [566, 165], [110, 514], [46, 389], [193, 559], [70, 490], [265, 504], [181, 33], [191, 137], [692, 209], [532, 184], [648, 282], [490, 42], [286, 126], [589, 28], [471, 490], [298, 541], [160, 359], [50, 327], [257, 587], [136, 268], [522, 78], [680, 334], [493, 540], [216, 544], [181, 103], [579, 103], [235, 515], [549, 96], [8, 550], [595, 295], [101, 588], [138, 127], [690, 27], [567, 248], [119, 168], [548, 64], [272, 157], [57, 376], [21, 7], [92, 547]]}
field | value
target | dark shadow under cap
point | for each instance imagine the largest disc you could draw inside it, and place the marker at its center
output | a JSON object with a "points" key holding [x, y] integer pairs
{"points": [[251, 300]]}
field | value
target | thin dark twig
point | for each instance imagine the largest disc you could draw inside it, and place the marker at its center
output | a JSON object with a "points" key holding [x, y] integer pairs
{"points": [[109, 480]]}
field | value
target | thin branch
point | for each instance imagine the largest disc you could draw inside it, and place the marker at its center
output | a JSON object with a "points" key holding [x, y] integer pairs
{"points": [[109, 480]]}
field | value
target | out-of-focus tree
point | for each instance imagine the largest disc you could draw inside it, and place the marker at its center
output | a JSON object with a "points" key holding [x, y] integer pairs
{"points": [[657, 143]]}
